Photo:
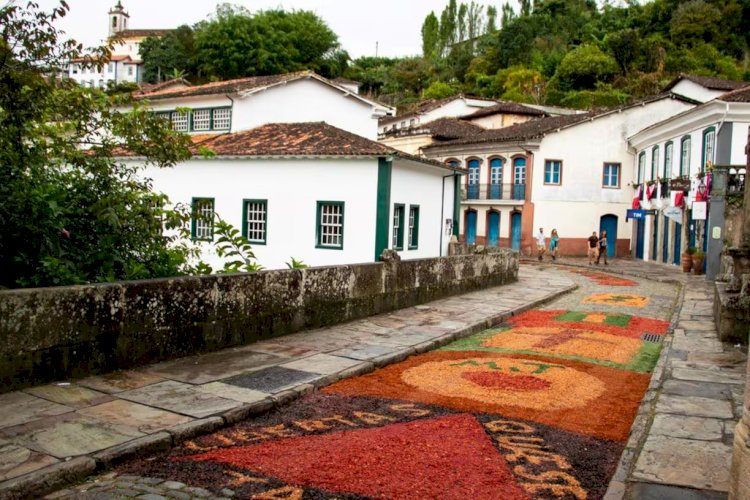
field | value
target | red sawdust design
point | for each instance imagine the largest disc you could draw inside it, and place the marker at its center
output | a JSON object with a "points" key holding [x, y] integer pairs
{"points": [[503, 381], [636, 327], [604, 279], [445, 457], [590, 399]]}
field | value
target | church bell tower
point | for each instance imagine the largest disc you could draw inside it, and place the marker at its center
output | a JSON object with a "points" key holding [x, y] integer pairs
{"points": [[118, 19]]}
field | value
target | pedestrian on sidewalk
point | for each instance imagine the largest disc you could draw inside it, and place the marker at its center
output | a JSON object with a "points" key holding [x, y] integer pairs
{"points": [[593, 245], [602, 248], [554, 243], [541, 245]]}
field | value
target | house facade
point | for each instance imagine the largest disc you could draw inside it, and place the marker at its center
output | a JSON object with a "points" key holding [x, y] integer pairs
{"points": [[246, 103], [315, 193], [688, 146], [426, 112], [563, 172]]}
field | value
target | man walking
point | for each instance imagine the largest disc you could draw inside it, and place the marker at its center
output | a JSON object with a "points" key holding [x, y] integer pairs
{"points": [[593, 244], [541, 247]]}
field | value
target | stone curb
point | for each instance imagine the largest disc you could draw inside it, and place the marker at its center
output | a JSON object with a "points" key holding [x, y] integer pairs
{"points": [[618, 489], [51, 478], [42, 481]]}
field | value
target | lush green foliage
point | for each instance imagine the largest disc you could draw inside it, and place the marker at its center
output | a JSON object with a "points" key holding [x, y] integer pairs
{"points": [[567, 52], [70, 212], [235, 43]]}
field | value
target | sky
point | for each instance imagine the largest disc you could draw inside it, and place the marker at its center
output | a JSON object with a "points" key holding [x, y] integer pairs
{"points": [[394, 25]]}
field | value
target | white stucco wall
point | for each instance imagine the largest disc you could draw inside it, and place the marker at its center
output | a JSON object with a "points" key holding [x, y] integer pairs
{"points": [[739, 141], [499, 120], [575, 207], [411, 144], [413, 184], [305, 101], [292, 189]]}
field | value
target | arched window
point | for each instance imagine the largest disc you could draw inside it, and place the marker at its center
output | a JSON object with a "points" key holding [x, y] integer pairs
{"points": [[641, 166], [452, 162], [709, 146], [519, 178], [496, 178], [685, 156], [473, 179], [114, 22], [654, 162], [668, 154]]}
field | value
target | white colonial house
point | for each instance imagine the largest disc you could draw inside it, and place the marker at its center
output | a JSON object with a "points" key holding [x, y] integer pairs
{"points": [[246, 103], [688, 145], [569, 173], [313, 192], [451, 107], [702, 88], [125, 64]]}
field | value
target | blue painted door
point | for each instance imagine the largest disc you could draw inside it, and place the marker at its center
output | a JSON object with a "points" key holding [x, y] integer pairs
{"points": [[496, 179], [473, 181], [471, 227], [609, 223], [677, 244], [515, 231], [691, 230], [519, 179], [655, 238], [493, 229], [665, 248], [640, 229]]}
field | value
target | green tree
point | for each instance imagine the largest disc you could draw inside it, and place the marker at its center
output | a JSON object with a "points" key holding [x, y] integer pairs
{"points": [[624, 47], [174, 52], [430, 36], [439, 90], [234, 44], [583, 67], [70, 212]]}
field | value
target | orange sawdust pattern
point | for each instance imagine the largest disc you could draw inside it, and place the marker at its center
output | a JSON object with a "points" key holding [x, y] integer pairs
{"points": [[604, 279], [567, 342], [634, 329], [605, 409], [617, 299], [504, 381]]}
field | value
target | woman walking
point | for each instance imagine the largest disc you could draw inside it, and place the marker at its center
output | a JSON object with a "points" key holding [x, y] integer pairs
{"points": [[554, 243], [602, 248]]}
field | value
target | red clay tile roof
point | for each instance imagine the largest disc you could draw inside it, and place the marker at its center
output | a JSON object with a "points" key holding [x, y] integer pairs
{"points": [[709, 82], [739, 95], [441, 129], [226, 86], [429, 105], [141, 33], [295, 140], [506, 107], [147, 88]]}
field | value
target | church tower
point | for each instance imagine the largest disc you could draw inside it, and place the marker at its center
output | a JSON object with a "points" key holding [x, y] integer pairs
{"points": [[118, 19]]}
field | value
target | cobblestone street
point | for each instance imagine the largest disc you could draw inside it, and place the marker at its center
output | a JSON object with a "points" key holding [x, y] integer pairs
{"points": [[548, 393]]}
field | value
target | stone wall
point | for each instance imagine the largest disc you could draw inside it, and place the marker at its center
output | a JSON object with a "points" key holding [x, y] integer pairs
{"points": [[66, 332]]}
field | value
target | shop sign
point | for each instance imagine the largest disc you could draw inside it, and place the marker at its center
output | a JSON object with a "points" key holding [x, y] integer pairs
{"points": [[674, 213], [700, 210]]}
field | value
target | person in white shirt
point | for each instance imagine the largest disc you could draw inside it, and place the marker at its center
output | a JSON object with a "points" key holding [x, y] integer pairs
{"points": [[540, 245]]}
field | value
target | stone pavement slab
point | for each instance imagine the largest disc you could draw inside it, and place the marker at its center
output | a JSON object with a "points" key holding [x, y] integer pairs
{"points": [[684, 462], [232, 392], [700, 389], [322, 363], [119, 381], [16, 460], [681, 426], [134, 417], [19, 408], [648, 491], [71, 395], [179, 398], [364, 352], [273, 379], [722, 377], [214, 366], [693, 406]]}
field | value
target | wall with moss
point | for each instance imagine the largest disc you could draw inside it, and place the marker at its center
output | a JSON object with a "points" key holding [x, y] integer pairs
{"points": [[66, 332]]}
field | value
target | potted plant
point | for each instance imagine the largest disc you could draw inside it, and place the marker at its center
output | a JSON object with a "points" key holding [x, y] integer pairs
{"points": [[698, 258], [687, 259]]}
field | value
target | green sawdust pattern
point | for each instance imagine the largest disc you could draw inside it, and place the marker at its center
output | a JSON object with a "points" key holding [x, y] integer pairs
{"points": [[611, 319], [643, 362]]}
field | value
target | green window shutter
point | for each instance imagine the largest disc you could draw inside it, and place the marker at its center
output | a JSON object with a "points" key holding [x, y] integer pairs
{"points": [[202, 219], [413, 227], [329, 230]]}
